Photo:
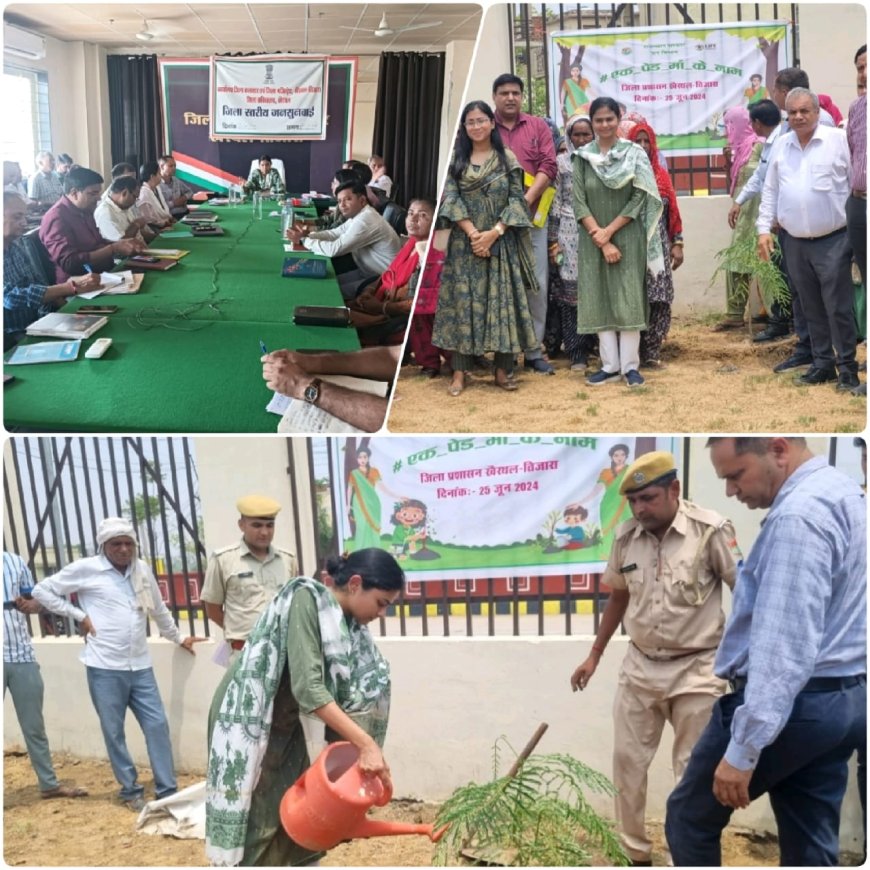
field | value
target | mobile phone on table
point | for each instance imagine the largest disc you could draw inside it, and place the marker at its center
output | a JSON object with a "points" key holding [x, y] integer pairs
{"points": [[97, 309]]}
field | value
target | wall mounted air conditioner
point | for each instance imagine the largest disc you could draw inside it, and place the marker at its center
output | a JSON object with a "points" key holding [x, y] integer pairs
{"points": [[23, 43]]}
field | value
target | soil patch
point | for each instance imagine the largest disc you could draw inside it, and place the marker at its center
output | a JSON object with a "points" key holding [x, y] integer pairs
{"points": [[96, 831], [712, 382]]}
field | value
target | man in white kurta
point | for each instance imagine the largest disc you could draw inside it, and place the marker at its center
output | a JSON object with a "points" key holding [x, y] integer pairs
{"points": [[117, 593]]}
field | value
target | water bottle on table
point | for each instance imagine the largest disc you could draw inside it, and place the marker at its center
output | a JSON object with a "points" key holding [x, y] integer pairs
{"points": [[286, 218]]}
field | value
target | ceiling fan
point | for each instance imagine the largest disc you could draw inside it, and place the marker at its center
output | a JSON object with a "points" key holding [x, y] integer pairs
{"points": [[383, 29]]}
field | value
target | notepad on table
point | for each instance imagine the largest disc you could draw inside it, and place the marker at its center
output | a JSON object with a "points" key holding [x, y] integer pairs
{"points": [[45, 352], [59, 325], [165, 253]]}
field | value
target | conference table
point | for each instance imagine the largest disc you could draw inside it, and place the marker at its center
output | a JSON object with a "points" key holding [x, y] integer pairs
{"points": [[185, 356]]}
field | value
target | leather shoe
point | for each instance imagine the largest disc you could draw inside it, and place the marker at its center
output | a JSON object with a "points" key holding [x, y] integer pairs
{"points": [[770, 333], [813, 376], [847, 381], [430, 373], [795, 361]]}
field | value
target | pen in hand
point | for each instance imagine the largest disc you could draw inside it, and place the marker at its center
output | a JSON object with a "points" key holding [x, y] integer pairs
{"points": [[263, 347]]}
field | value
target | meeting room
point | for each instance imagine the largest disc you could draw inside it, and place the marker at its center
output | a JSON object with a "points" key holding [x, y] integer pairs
{"points": [[217, 212]]}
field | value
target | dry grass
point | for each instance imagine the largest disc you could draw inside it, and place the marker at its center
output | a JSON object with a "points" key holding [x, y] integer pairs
{"points": [[713, 382]]}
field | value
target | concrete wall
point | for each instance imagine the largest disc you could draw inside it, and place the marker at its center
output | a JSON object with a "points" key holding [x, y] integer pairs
{"points": [[78, 98], [458, 63], [452, 699]]}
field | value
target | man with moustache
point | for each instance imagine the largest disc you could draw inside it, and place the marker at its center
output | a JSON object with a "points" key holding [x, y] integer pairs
{"points": [[243, 578], [69, 231], [117, 594], [795, 653], [666, 570]]}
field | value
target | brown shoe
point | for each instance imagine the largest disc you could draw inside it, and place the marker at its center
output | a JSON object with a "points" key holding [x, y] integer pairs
{"points": [[728, 324], [64, 791]]}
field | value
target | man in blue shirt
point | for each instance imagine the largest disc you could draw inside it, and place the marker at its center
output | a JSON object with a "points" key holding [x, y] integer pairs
{"points": [[21, 676], [795, 652]]}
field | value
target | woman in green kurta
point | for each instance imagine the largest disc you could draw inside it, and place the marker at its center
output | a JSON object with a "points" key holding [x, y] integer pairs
{"points": [[363, 501], [489, 265], [617, 203], [309, 653]]}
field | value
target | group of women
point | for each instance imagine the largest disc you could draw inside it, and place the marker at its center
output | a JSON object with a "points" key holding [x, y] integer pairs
{"points": [[615, 237]]}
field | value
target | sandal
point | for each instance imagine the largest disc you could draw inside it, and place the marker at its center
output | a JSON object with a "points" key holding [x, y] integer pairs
{"points": [[455, 389], [63, 791], [507, 383]]}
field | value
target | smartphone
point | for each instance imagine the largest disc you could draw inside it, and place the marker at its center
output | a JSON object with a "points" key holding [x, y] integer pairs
{"points": [[142, 258], [320, 315], [97, 309]]}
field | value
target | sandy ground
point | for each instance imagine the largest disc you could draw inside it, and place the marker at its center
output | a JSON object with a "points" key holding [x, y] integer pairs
{"points": [[97, 831], [713, 382]]}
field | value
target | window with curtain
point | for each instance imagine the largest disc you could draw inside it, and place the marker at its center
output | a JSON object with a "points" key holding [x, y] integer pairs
{"points": [[25, 98]]}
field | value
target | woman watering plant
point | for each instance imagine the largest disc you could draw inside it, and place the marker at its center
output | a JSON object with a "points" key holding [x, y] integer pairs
{"points": [[310, 652]]}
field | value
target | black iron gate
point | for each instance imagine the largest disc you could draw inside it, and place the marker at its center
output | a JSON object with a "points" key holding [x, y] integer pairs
{"points": [[57, 490]]}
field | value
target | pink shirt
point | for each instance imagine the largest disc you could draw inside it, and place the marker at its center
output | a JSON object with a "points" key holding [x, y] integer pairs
{"points": [[531, 141], [856, 133], [70, 235]]}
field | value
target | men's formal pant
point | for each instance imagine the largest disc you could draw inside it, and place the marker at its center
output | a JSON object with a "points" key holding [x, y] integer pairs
{"points": [[538, 301], [24, 682], [804, 772], [856, 221], [821, 272], [112, 693]]}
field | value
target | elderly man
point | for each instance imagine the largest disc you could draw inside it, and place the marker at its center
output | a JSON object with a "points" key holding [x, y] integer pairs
{"points": [[666, 570], [365, 235], [795, 652], [22, 679], [295, 375], [805, 192], [116, 216], [12, 181], [117, 593], [243, 578], [532, 143], [176, 194], [70, 234], [783, 314], [26, 297], [46, 187]]}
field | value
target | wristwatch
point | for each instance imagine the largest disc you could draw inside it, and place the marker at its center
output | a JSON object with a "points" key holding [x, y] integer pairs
{"points": [[312, 392]]}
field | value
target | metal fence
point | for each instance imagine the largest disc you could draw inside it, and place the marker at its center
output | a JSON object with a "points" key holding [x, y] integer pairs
{"points": [[530, 24], [57, 490]]}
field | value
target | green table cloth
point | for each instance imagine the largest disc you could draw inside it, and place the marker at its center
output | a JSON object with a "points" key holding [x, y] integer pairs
{"points": [[186, 349]]}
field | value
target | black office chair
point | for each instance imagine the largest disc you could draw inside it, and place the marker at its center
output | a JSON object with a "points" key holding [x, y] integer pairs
{"points": [[394, 215], [41, 265]]}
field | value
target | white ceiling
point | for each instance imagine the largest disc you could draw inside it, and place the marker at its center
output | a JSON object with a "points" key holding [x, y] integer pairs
{"points": [[202, 29]]}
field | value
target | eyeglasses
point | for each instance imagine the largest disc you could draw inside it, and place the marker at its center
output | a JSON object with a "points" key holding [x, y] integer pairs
{"points": [[480, 122]]}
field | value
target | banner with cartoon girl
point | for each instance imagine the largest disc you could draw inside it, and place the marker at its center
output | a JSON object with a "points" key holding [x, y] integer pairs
{"points": [[679, 78], [481, 506]]}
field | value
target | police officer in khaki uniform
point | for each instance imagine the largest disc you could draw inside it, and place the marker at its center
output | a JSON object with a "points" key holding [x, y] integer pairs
{"points": [[666, 570], [242, 579]]}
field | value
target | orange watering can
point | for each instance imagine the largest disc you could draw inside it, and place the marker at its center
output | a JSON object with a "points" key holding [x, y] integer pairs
{"points": [[328, 803]]}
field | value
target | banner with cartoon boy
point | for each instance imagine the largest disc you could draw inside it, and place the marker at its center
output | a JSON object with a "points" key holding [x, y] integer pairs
{"points": [[680, 78], [486, 506]]}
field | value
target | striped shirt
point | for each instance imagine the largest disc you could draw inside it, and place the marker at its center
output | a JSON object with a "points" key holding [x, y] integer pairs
{"points": [[800, 602], [17, 646], [856, 132]]}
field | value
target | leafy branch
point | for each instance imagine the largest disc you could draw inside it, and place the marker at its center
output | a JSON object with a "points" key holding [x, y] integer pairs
{"points": [[741, 257], [538, 817]]}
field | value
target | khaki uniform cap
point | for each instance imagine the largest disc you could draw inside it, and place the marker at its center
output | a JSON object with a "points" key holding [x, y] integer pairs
{"points": [[257, 506], [647, 470]]}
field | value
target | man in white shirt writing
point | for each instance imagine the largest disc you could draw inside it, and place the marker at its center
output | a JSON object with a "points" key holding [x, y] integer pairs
{"points": [[805, 192], [117, 593], [365, 235]]}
